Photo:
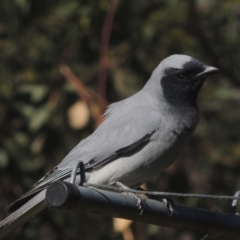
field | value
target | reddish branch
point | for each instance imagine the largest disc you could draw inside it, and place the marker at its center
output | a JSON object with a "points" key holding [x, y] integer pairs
{"points": [[89, 96], [103, 50]]}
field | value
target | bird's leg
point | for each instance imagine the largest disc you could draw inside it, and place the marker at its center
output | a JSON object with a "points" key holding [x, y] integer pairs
{"points": [[140, 199]]}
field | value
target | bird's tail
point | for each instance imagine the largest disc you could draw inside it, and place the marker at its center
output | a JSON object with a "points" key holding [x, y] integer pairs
{"points": [[30, 209]]}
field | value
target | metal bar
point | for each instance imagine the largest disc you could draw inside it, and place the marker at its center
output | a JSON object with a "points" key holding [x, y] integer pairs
{"points": [[65, 195]]}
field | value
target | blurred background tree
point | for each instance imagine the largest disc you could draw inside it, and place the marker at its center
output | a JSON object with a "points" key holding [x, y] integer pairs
{"points": [[61, 62]]}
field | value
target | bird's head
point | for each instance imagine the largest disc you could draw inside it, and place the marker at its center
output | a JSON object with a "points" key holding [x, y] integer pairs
{"points": [[180, 78]]}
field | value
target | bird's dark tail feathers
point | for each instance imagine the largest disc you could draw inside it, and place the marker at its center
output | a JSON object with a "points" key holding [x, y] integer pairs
{"points": [[30, 209]]}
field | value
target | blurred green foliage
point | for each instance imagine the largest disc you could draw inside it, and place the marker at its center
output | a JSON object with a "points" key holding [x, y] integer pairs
{"points": [[37, 37]]}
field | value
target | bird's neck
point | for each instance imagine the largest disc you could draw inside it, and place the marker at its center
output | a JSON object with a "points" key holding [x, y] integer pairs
{"points": [[186, 115]]}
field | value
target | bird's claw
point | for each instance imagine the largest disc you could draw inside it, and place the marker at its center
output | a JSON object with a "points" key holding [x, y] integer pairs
{"points": [[168, 203], [140, 200]]}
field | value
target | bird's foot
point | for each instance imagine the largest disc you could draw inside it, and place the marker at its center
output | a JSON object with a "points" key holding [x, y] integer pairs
{"points": [[139, 198]]}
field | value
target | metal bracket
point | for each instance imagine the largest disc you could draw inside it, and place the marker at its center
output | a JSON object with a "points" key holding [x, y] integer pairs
{"points": [[79, 165], [232, 210], [234, 204]]}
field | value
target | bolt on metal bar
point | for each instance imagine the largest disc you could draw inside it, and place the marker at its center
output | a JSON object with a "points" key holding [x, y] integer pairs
{"points": [[80, 165]]}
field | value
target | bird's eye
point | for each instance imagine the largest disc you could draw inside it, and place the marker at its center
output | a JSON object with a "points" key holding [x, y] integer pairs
{"points": [[180, 76]]}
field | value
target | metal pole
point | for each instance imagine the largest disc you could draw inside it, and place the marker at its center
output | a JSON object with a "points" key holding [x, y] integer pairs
{"points": [[64, 195]]}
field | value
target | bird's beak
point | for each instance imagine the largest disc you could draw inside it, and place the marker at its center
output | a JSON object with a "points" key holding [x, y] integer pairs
{"points": [[208, 70]]}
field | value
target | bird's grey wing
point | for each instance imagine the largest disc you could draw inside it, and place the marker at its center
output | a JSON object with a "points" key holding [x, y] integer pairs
{"points": [[120, 134]]}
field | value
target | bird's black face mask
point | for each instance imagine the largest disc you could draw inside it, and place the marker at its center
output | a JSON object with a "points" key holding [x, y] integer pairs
{"points": [[181, 86]]}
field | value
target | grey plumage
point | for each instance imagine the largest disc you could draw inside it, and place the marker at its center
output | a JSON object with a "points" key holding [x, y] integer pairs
{"points": [[140, 137]]}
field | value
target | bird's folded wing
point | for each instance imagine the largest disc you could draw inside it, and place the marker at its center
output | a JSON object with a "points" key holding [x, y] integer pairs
{"points": [[120, 134]]}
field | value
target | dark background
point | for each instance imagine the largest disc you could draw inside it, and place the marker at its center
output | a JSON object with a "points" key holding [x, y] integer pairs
{"points": [[58, 71]]}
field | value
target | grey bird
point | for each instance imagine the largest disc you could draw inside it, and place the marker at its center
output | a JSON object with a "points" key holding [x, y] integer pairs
{"points": [[139, 138]]}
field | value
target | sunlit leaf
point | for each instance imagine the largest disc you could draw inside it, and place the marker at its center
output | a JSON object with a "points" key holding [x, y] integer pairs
{"points": [[36, 92]]}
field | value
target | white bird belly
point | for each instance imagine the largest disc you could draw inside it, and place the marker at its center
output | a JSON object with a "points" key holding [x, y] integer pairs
{"points": [[140, 167]]}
